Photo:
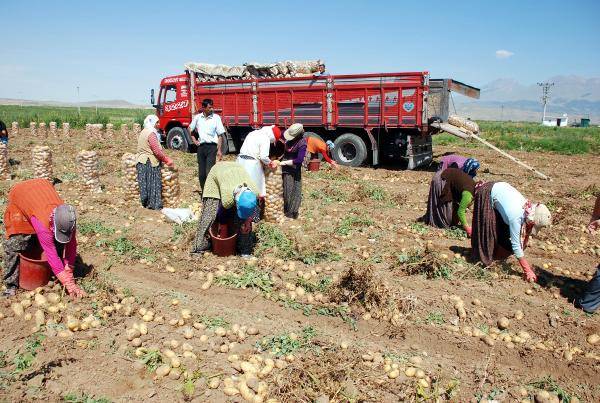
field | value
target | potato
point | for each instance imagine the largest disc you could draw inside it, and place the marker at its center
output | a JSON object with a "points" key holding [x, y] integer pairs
{"points": [[143, 328], [393, 374], [53, 298], [163, 370], [231, 391], [17, 309], [40, 318], [410, 372], [188, 333], [133, 333], [40, 300], [186, 313], [214, 383], [252, 331], [175, 362], [503, 323], [136, 342]]}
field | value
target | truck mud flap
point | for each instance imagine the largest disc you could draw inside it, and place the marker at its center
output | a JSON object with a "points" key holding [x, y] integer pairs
{"points": [[419, 151]]}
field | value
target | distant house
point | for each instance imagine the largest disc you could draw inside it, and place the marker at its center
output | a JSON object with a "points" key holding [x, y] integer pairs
{"points": [[561, 121]]}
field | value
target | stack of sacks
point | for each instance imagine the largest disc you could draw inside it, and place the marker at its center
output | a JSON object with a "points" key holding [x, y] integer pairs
{"points": [[130, 185], [90, 170], [14, 130], [42, 162], [42, 130], [466, 124], [136, 129], [124, 130], [53, 129], [274, 197], [96, 131], [88, 130], [110, 130], [4, 165], [32, 128], [66, 128], [170, 186]]}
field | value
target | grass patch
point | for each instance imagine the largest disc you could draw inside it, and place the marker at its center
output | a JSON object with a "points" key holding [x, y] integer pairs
{"points": [[251, 277], [152, 360], [24, 358], [213, 322], [125, 247], [435, 318], [287, 343], [273, 240], [419, 228], [549, 384], [308, 309], [328, 195], [353, 223], [84, 398], [94, 227], [322, 285], [182, 231], [455, 233], [434, 265]]}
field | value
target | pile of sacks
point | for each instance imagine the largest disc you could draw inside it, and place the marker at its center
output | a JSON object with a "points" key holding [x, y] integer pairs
{"points": [[274, 197], [132, 190], [42, 162], [42, 129], [124, 130], [170, 186], [463, 123], [94, 130], [66, 129], [137, 128], [32, 128], [14, 129], [53, 129], [110, 130], [219, 72], [89, 166], [4, 164]]}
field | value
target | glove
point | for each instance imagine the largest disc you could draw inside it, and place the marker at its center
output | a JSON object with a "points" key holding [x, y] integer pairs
{"points": [[469, 231], [594, 226], [335, 165], [286, 162], [527, 270], [66, 279], [273, 164]]}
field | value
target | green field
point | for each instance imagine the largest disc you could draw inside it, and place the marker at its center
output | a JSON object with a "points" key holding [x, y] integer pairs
{"points": [[26, 114], [527, 136]]}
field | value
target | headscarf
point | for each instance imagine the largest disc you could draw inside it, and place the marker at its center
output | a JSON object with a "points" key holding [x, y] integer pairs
{"points": [[330, 145], [471, 166], [149, 123], [538, 215]]}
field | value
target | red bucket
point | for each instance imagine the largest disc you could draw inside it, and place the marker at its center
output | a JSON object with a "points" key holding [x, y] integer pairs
{"points": [[223, 246], [314, 165], [34, 270]]}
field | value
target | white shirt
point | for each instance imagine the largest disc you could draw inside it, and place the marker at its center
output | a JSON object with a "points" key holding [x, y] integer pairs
{"points": [[257, 144], [208, 128], [509, 202]]}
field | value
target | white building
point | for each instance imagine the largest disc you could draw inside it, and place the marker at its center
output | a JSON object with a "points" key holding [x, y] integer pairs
{"points": [[561, 121]]}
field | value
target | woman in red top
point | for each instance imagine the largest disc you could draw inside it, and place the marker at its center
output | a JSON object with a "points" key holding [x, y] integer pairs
{"points": [[316, 146]]}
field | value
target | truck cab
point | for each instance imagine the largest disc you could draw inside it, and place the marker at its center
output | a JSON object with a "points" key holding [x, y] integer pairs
{"points": [[174, 111]]}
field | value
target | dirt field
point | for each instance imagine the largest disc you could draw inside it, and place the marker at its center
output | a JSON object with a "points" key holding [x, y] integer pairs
{"points": [[353, 302]]}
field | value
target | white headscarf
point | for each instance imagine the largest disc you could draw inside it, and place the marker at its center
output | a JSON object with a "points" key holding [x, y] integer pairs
{"points": [[149, 123]]}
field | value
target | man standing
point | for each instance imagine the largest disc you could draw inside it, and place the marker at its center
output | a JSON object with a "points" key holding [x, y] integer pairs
{"points": [[209, 129]]}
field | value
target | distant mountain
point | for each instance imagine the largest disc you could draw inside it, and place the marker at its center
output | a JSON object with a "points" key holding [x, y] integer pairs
{"points": [[113, 103], [574, 95]]}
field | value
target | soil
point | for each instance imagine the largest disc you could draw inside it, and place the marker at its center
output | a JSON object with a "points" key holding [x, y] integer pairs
{"points": [[364, 219]]}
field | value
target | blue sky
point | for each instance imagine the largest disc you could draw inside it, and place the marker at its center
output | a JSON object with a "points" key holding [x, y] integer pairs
{"points": [[121, 49]]}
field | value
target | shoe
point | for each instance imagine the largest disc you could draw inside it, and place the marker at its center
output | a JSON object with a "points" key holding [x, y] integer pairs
{"points": [[10, 292], [245, 256]]}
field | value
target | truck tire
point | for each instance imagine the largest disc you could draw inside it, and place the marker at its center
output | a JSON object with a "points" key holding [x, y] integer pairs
{"points": [[177, 139], [224, 144], [350, 150]]}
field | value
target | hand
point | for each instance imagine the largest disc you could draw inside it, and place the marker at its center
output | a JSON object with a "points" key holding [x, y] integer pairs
{"points": [[273, 164], [335, 165], [594, 226], [469, 231], [171, 164], [75, 292], [219, 155], [527, 271]]}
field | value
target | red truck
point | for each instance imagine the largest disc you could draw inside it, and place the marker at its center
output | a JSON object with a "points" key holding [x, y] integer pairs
{"points": [[370, 117]]}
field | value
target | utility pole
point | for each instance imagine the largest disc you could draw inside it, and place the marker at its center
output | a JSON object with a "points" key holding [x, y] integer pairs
{"points": [[545, 96], [78, 103], [502, 113]]}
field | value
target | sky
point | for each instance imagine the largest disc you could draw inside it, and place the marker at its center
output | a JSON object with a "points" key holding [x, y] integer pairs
{"points": [[121, 49]]}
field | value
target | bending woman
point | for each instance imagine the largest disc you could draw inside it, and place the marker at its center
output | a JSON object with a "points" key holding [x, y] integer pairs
{"points": [[500, 215], [467, 165], [450, 193]]}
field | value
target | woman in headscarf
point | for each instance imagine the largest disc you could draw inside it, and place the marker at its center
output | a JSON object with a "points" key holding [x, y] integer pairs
{"points": [[450, 193], [254, 154], [467, 165], [150, 157], [291, 166], [316, 146], [501, 215]]}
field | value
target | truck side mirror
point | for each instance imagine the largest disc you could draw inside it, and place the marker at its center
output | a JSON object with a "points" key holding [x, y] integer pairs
{"points": [[152, 97]]}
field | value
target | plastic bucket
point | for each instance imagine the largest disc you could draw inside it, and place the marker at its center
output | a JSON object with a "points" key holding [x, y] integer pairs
{"points": [[34, 270], [314, 165], [222, 246]]}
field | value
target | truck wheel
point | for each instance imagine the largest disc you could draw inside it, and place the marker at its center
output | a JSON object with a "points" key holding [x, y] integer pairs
{"points": [[350, 150], [177, 140], [224, 144]]}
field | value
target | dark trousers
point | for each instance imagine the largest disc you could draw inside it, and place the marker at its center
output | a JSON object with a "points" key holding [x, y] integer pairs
{"points": [[207, 158], [12, 247]]}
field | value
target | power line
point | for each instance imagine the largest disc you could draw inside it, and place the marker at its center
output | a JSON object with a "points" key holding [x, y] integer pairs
{"points": [[545, 96]]}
